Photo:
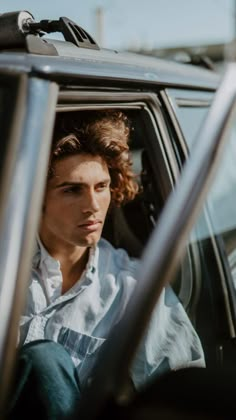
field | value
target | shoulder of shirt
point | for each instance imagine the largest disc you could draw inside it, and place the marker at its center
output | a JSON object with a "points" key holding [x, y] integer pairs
{"points": [[36, 255], [118, 257]]}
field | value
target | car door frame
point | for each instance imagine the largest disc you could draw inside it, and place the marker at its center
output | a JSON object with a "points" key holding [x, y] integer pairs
{"points": [[163, 252], [24, 165]]}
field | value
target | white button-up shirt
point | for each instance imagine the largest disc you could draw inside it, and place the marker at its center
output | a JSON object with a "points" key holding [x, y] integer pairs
{"points": [[82, 318]]}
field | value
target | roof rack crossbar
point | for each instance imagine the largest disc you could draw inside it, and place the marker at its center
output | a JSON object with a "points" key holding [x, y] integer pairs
{"points": [[69, 29], [17, 26]]}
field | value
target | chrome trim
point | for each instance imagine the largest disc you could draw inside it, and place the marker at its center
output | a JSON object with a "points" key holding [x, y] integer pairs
{"points": [[20, 203], [172, 163], [195, 103], [89, 107], [171, 110], [115, 96]]}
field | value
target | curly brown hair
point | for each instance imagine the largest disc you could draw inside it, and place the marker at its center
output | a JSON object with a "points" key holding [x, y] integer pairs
{"points": [[103, 133]]}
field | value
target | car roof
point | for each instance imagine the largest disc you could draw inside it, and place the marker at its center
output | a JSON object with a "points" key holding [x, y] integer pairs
{"points": [[55, 59]]}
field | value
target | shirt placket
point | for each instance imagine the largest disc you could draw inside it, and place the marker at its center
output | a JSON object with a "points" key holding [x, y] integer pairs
{"points": [[36, 329]]}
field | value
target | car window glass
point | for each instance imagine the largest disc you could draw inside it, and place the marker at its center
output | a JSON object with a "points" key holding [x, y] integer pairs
{"points": [[191, 119], [191, 109], [220, 206], [221, 203], [215, 236]]}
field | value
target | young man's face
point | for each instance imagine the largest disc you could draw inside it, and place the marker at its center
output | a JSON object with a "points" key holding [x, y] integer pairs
{"points": [[76, 202]]}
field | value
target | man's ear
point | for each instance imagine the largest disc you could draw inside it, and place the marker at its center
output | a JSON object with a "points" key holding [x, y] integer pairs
{"points": [[111, 206]]}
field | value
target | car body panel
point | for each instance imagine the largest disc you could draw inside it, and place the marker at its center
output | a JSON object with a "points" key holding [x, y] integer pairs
{"points": [[109, 65]]}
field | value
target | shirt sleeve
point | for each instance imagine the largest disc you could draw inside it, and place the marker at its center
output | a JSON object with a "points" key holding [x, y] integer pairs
{"points": [[170, 342]]}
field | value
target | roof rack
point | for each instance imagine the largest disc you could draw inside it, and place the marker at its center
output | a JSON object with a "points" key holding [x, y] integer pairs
{"points": [[19, 30], [202, 60]]}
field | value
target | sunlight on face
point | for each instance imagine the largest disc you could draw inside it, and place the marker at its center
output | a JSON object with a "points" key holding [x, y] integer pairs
{"points": [[76, 201]]}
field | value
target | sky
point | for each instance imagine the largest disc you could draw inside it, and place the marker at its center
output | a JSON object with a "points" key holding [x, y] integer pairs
{"points": [[142, 23]]}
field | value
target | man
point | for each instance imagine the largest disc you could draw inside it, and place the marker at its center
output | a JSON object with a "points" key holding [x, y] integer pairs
{"points": [[80, 284]]}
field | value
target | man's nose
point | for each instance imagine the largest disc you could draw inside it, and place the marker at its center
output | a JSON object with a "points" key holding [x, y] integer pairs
{"points": [[91, 202]]}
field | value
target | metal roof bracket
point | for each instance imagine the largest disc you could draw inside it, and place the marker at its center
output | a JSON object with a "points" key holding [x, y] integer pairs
{"points": [[19, 30]]}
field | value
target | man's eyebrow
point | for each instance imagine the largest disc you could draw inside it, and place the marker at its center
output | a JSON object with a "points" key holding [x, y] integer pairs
{"points": [[80, 184], [104, 180], [69, 183]]}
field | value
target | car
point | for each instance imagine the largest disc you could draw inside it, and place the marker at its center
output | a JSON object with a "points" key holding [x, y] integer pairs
{"points": [[183, 135]]}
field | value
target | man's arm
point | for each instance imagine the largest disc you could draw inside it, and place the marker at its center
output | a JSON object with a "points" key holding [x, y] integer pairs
{"points": [[170, 342]]}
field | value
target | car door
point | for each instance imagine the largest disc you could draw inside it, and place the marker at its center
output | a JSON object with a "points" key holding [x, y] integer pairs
{"points": [[27, 107], [164, 249], [212, 240], [160, 166]]}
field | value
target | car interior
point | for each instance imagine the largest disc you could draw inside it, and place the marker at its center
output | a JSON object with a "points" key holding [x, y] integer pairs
{"points": [[130, 225]]}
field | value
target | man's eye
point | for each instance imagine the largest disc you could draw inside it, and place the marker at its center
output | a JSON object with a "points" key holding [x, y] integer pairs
{"points": [[72, 190], [102, 186]]}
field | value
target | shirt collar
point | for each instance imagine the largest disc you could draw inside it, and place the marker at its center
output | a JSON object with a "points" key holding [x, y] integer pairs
{"points": [[41, 256]]}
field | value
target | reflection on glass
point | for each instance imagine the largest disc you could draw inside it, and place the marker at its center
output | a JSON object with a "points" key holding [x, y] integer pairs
{"points": [[191, 119], [219, 217]]}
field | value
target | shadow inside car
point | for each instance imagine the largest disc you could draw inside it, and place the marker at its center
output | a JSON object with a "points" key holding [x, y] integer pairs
{"points": [[198, 394]]}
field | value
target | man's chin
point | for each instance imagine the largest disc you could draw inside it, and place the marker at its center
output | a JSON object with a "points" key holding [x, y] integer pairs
{"points": [[89, 240]]}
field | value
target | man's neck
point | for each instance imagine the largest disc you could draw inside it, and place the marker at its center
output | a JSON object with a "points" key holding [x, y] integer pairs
{"points": [[73, 260], [72, 268]]}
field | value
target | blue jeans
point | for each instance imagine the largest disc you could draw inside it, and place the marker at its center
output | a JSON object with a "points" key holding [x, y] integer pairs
{"points": [[47, 385]]}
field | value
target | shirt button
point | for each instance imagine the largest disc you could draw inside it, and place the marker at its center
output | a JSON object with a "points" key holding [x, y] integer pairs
{"points": [[89, 380]]}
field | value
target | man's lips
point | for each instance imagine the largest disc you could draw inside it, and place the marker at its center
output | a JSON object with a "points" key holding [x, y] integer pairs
{"points": [[90, 225]]}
